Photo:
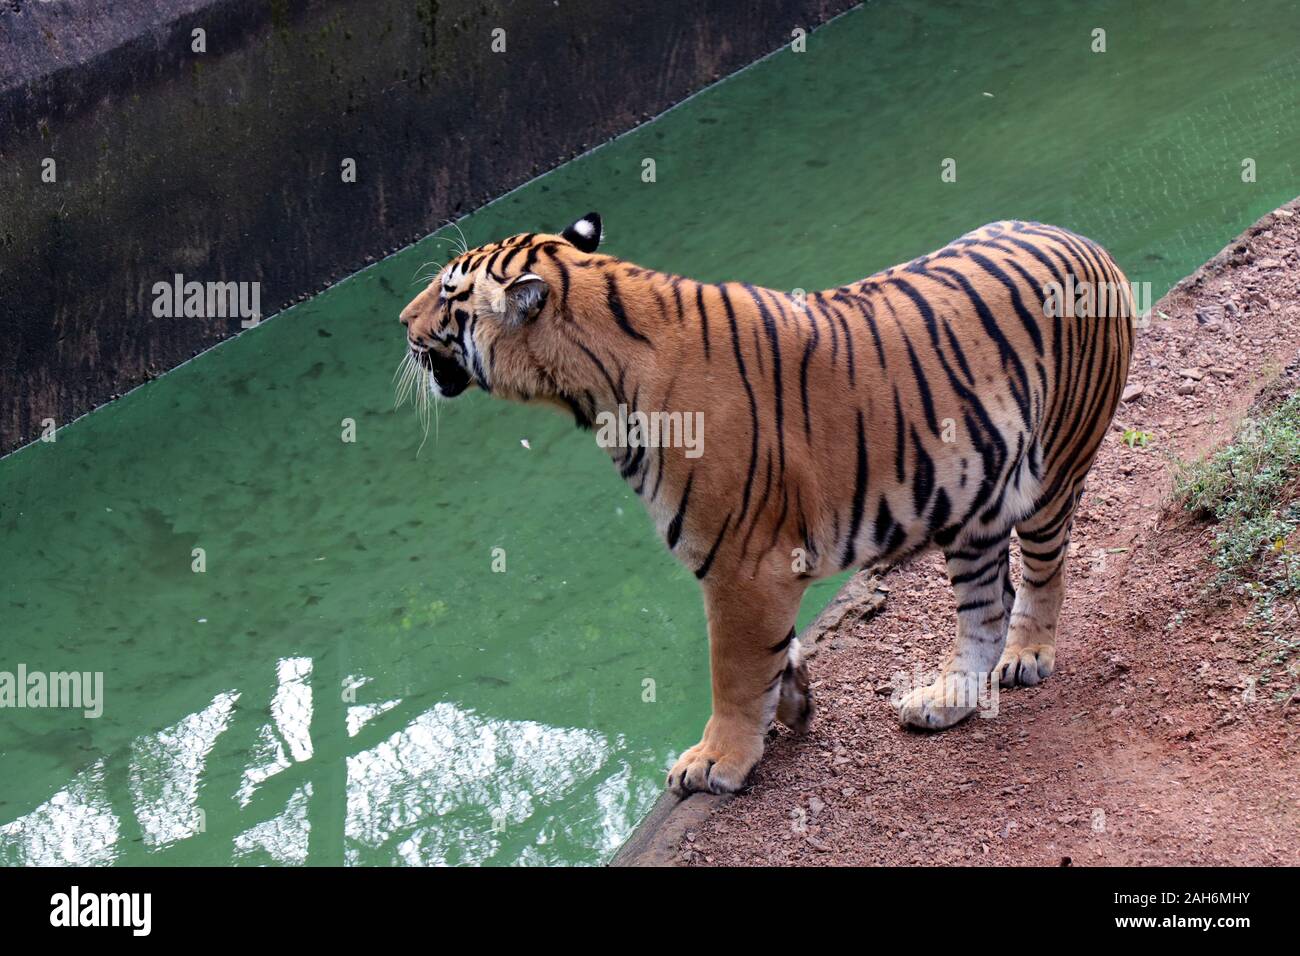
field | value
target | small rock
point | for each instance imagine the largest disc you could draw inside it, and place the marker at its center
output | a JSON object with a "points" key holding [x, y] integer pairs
{"points": [[1195, 374], [1132, 392], [1269, 263], [1187, 388]]}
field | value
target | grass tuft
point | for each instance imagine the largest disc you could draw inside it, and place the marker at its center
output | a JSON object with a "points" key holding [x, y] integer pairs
{"points": [[1251, 490]]}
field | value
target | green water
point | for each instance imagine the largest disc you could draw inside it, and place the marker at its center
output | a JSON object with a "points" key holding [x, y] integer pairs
{"points": [[349, 681]]}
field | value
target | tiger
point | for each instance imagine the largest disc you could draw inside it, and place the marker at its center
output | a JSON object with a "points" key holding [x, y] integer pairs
{"points": [[944, 402]]}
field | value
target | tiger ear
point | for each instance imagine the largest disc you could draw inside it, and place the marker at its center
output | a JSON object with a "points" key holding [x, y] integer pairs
{"points": [[585, 233], [523, 298]]}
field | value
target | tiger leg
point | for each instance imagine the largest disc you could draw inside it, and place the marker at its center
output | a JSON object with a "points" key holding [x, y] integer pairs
{"points": [[1008, 590], [795, 706], [1030, 653], [757, 675], [978, 570]]}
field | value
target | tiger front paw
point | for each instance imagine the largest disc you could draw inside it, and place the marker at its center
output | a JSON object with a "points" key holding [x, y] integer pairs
{"points": [[715, 766], [947, 701], [1026, 665]]}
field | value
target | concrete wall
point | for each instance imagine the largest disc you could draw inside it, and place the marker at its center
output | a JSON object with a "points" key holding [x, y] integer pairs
{"points": [[225, 165]]}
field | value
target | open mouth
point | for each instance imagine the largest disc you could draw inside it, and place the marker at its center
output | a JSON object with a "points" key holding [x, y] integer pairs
{"points": [[448, 378]]}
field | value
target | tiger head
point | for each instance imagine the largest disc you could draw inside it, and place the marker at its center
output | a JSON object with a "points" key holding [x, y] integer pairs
{"points": [[493, 316]]}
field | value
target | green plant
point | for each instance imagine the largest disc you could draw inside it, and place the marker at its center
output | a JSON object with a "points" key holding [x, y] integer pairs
{"points": [[1251, 489], [1136, 439]]}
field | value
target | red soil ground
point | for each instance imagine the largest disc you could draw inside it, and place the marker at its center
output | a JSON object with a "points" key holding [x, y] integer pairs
{"points": [[1145, 746]]}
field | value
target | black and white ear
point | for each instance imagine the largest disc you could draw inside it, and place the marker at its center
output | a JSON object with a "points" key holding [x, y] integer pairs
{"points": [[585, 233], [524, 297]]}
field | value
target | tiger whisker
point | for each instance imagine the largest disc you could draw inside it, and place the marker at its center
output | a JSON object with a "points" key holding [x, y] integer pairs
{"points": [[428, 278], [402, 363], [464, 243], [406, 374]]}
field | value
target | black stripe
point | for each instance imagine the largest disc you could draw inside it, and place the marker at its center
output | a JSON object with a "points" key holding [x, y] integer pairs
{"points": [[859, 497], [753, 403], [758, 511], [888, 533], [922, 386], [900, 442], [505, 263], [939, 516], [774, 341], [675, 527], [616, 309], [864, 308], [830, 322], [848, 341], [564, 282], [803, 378], [1043, 556], [957, 351], [922, 478], [703, 569], [704, 318], [782, 644], [978, 572], [1027, 320]]}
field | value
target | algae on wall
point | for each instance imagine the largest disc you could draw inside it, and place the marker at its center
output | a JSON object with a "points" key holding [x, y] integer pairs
{"points": [[225, 165]]}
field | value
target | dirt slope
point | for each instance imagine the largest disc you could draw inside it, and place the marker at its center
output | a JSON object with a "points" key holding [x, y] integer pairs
{"points": [[1144, 747]]}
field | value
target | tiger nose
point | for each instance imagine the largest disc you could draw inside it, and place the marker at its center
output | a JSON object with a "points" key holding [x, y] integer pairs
{"points": [[405, 318]]}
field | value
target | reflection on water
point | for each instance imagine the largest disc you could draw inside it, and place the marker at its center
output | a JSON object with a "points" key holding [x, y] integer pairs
{"points": [[74, 827], [165, 772], [283, 838], [290, 738], [447, 760], [488, 776]]}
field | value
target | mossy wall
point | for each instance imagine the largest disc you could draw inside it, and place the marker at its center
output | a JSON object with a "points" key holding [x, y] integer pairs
{"points": [[226, 165]]}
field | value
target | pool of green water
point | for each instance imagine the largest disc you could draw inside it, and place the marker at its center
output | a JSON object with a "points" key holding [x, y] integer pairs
{"points": [[349, 680]]}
